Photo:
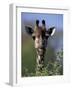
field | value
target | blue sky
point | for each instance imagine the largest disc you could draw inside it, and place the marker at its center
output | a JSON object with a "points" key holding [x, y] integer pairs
{"points": [[51, 19]]}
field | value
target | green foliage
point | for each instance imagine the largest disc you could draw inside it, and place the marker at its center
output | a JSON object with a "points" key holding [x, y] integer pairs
{"points": [[53, 67], [25, 72], [43, 72]]}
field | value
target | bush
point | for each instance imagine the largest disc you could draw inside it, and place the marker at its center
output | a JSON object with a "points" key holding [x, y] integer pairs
{"points": [[54, 67]]}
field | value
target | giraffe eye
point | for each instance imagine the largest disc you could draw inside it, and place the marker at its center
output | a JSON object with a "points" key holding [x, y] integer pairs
{"points": [[33, 37], [46, 36]]}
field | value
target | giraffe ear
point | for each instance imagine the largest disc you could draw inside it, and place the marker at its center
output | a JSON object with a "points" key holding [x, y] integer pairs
{"points": [[51, 31], [29, 30]]}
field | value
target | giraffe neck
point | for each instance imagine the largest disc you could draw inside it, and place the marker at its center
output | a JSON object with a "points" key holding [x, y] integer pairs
{"points": [[40, 60]]}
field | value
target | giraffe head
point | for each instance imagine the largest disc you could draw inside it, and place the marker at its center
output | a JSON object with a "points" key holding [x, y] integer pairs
{"points": [[40, 36]]}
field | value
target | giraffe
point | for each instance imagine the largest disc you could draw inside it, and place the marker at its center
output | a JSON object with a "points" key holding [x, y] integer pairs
{"points": [[40, 36]]}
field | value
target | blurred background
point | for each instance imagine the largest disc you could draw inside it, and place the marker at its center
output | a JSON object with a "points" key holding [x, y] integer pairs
{"points": [[55, 43]]}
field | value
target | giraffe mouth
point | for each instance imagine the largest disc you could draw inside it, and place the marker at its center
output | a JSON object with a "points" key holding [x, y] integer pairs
{"points": [[41, 51]]}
